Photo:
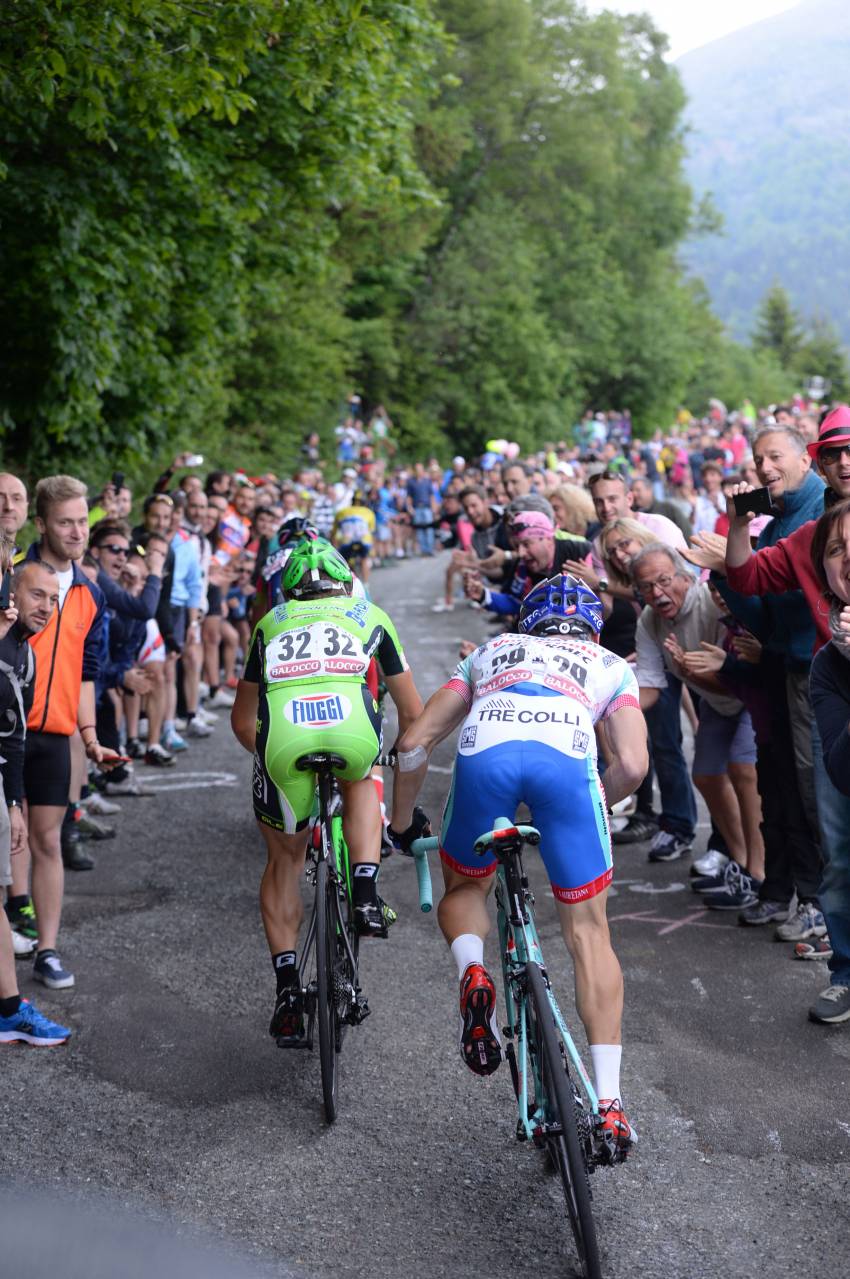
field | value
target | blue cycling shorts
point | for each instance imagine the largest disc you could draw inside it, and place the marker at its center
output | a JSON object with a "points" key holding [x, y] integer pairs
{"points": [[567, 807]]}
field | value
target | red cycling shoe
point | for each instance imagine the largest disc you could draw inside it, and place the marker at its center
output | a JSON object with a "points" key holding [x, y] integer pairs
{"points": [[480, 1045], [614, 1130]]}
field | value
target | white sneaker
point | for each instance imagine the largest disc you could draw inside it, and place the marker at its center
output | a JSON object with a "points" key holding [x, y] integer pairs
{"points": [[224, 698], [197, 728], [24, 946], [203, 690], [205, 716], [98, 805], [130, 786], [807, 921], [711, 863], [442, 607]]}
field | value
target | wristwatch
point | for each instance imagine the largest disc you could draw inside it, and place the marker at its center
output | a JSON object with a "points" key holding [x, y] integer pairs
{"points": [[13, 803], [603, 583]]}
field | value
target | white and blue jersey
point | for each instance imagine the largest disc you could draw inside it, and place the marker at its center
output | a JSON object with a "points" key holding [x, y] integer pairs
{"points": [[529, 738]]}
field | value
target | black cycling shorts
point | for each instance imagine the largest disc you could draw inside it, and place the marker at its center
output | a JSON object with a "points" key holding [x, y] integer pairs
{"points": [[47, 769]]}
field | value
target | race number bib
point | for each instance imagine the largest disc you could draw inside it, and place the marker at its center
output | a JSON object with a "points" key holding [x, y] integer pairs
{"points": [[318, 649]]}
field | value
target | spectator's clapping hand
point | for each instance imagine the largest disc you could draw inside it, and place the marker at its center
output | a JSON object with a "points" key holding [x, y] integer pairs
{"points": [[674, 648], [578, 568], [463, 560], [473, 587], [705, 660], [8, 617], [708, 551], [748, 647]]}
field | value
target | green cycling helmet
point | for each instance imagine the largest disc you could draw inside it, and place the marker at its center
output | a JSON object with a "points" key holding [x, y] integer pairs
{"points": [[316, 568]]}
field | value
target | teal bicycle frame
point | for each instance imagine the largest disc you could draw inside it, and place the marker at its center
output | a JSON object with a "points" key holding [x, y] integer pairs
{"points": [[520, 944]]}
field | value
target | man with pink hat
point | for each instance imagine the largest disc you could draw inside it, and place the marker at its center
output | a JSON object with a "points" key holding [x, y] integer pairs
{"points": [[539, 555], [786, 566]]}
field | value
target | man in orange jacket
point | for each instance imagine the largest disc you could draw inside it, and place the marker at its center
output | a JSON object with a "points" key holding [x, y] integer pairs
{"points": [[68, 654]]}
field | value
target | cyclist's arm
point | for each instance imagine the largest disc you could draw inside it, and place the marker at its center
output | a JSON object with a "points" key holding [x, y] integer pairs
{"points": [[443, 713], [625, 730], [243, 716]]}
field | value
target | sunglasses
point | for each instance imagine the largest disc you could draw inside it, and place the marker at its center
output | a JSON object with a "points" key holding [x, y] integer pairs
{"points": [[835, 454], [113, 549]]}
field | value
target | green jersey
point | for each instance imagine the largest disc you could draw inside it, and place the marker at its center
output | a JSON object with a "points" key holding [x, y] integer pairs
{"points": [[321, 641]]}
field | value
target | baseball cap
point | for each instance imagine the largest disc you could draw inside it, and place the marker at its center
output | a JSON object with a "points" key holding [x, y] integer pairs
{"points": [[531, 524]]}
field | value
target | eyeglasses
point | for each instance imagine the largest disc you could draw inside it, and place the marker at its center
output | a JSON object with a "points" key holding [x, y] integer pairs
{"points": [[113, 549], [662, 583], [832, 455]]}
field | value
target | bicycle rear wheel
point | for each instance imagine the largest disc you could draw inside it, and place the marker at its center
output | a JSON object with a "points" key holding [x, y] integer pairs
{"points": [[326, 917], [562, 1139]]}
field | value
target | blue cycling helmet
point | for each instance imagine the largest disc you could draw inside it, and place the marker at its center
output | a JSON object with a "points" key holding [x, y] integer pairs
{"points": [[562, 605]]}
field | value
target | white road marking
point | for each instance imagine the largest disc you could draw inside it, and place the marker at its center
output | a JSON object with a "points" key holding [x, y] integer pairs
{"points": [[191, 781], [844, 1127], [656, 889], [438, 768], [699, 988]]}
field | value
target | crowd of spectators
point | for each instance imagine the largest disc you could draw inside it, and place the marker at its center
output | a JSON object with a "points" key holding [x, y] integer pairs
{"points": [[131, 613]]}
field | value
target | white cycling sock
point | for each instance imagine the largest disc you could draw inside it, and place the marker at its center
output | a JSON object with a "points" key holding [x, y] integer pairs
{"points": [[606, 1069], [467, 949]]}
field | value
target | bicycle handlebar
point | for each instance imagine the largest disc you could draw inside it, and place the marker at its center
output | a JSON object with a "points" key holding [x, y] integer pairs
{"points": [[420, 848]]}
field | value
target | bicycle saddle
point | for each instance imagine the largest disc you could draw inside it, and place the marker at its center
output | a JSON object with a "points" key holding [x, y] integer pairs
{"points": [[316, 761]]}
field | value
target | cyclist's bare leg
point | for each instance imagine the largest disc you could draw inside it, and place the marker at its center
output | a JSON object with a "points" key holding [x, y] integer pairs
{"points": [[463, 908], [280, 889], [361, 820], [599, 979], [364, 568]]}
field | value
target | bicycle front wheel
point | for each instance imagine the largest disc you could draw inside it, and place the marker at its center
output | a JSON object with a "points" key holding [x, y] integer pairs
{"points": [[326, 916], [559, 1112]]}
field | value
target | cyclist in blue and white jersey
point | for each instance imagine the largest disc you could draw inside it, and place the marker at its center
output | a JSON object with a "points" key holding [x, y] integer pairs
{"points": [[529, 705]]}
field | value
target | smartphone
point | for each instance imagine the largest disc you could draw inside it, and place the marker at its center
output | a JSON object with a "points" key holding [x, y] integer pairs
{"points": [[195, 459], [117, 480], [120, 759], [758, 501], [6, 591]]}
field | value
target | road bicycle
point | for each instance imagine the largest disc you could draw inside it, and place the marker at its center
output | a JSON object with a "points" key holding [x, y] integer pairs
{"points": [[552, 1113], [328, 970]]}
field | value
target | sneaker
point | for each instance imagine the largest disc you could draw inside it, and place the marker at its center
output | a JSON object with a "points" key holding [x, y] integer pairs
{"points": [[613, 1131], [98, 805], [708, 883], [172, 743], [29, 1026], [157, 756], [223, 699], [287, 1021], [763, 912], [832, 1005], [739, 891], [197, 728], [23, 946], [806, 922], [712, 862], [637, 830], [817, 948], [22, 920], [135, 749], [206, 716], [480, 1045], [667, 847], [233, 683], [89, 827], [73, 857], [442, 607], [372, 919], [47, 968], [130, 786]]}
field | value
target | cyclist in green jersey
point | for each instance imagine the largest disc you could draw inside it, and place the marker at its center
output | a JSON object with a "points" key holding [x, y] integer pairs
{"points": [[304, 689]]}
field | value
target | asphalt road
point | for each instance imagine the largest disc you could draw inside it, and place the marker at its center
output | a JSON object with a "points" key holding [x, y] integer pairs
{"points": [[173, 1101]]}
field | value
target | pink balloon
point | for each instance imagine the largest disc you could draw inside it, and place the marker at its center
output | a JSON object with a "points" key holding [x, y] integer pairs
{"points": [[511, 451]]}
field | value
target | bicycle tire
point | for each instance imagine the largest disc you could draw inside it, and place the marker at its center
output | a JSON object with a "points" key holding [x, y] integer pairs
{"points": [[325, 997], [342, 964], [559, 1109]]}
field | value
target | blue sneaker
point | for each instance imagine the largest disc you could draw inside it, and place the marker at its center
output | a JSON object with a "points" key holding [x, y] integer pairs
{"points": [[47, 968], [29, 1026], [173, 742]]}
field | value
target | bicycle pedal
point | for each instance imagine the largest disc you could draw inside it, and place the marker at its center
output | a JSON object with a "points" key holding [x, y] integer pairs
{"points": [[292, 1041]]}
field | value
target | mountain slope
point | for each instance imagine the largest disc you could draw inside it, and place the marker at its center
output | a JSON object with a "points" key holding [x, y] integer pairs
{"points": [[769, 118]]}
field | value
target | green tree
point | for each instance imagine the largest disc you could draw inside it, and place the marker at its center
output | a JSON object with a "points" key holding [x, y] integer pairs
{"points": [[174, 175], [822, 354], [778, 328]]}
